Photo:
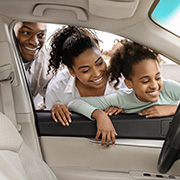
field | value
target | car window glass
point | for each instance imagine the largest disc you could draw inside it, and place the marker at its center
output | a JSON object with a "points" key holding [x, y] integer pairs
{"points": [[167, 15]]}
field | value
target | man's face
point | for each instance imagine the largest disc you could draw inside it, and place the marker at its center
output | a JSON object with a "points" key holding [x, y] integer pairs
{"points": [[30, 38]]}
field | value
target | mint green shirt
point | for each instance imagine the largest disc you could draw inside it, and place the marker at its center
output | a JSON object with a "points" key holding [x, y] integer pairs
{"points": [[126, 99]]}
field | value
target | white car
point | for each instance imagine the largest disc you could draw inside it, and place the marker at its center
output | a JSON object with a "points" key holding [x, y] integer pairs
{"points": [[71, 152]]}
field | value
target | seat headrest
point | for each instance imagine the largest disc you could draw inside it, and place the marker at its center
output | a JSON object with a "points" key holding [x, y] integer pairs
{"points": [[10, 139]]}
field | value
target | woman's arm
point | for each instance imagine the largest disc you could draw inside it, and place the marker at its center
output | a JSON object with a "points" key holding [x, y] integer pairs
{"points": [[60, 112]]}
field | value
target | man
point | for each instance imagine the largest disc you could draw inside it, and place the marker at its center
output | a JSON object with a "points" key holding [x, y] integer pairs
{"points": [[30, 40]]}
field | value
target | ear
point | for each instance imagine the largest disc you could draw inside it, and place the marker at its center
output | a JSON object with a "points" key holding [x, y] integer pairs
{"points": [[128, 83], [71, 72]]}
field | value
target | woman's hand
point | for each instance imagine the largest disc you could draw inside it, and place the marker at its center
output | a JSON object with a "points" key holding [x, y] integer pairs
{"points": [[104, 127], [61, 113], [159, 111], [113, 110]]}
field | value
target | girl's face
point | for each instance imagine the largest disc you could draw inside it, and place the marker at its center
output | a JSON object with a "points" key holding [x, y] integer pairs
{"points": [[90, 68], [146, 80]]}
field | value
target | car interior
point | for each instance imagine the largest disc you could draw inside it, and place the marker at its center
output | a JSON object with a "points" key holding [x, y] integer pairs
{"points": [[33, 146]]}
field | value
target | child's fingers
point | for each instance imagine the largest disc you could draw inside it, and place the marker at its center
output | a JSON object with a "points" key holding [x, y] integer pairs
{"points": [[97, 135], [120, 110], [113, 135], [103, 139], [113, 110], [108, 136]]}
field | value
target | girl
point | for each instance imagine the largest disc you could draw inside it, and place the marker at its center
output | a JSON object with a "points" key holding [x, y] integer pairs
{"points": [[140, 67], [85, 75]]}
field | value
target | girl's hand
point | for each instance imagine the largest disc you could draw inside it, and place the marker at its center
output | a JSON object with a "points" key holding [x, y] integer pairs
{"points": [[159, 111], [60, 113], [104, 127], [113, 110]]}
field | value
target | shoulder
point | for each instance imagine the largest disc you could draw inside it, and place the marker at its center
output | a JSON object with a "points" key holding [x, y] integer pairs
{"points": [[169, 84], [62, 77], [170, 88], [63, 74], [125, 92], [44, 54], [110, 86]]}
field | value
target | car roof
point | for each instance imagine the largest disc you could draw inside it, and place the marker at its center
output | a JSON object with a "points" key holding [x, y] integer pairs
{"points": [[129, 19]]}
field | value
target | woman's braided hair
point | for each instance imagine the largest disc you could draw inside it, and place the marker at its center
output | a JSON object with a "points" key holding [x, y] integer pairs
{"points": [[68, 43]]}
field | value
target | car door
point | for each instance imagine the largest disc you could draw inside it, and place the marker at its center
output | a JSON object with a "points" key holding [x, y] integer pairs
{"points": [[72, 151]]}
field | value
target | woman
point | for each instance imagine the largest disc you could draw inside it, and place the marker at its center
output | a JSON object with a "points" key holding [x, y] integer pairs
{"points": [[85, 75]]}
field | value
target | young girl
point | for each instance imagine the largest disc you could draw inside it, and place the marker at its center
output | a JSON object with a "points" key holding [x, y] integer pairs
{"points": [[140, 67], [86, 73]]}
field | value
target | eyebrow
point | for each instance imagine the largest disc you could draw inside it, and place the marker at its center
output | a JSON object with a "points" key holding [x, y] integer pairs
{"points": [[88, 66], [27, 27], [143, 77]]}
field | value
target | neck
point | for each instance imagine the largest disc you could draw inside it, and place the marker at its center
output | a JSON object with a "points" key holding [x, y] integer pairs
{"points": [[86, 91]]}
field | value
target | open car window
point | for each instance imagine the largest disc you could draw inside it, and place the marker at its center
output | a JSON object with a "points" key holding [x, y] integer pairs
{"points": [[127, 125]]}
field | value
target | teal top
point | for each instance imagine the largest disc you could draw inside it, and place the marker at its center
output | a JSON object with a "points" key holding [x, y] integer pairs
{"points": [[126, 99]]}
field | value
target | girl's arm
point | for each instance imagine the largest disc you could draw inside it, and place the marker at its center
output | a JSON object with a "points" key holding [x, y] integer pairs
{"points": [[81, 107], [159, 111], [104, 127], [104, 124], [86, 105]]}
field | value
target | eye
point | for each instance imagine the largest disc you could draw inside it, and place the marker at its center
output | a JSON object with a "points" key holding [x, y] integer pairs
{"points": [[26, 33], [85, 71], [145, 82], [41, 36], [158, 78], [101, 62]]}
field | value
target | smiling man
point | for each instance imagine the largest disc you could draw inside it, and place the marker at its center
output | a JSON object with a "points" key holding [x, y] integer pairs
{"points": [[30, 38], [30, 41]]}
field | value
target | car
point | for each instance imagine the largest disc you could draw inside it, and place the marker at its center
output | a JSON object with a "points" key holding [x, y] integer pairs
{"points": [[145, 148]]}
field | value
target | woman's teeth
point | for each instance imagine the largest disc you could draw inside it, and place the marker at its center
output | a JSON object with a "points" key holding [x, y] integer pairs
{"points": [[98, 80]]}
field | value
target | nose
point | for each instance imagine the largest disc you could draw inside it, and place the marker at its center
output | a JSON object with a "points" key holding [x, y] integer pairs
{"points": [[154, 84], [96, 72], [34, 40]]}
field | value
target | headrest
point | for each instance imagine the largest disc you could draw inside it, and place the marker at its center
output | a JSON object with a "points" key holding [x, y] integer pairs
{"points": [[10, 139]]}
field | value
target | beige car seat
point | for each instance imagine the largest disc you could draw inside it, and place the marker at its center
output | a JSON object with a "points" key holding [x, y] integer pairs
{"points": [[17, 161]]}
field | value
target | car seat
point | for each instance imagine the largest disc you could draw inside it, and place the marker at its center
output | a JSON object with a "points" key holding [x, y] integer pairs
{"points": [[17, 160]]}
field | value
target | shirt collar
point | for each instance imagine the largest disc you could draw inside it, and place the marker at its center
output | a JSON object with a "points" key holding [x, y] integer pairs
{"points": [[71, 87]]}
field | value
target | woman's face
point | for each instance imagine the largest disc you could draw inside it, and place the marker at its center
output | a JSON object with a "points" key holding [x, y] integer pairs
{"points": [[90, 68], [146, 80]]}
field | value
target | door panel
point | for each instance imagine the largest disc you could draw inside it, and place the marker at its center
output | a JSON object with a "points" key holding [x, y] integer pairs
{"points": [[72, 152], [126, 125]]}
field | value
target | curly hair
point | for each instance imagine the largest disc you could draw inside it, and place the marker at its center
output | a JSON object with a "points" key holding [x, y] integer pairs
{"points": [[68, 43], [125, 56]]}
